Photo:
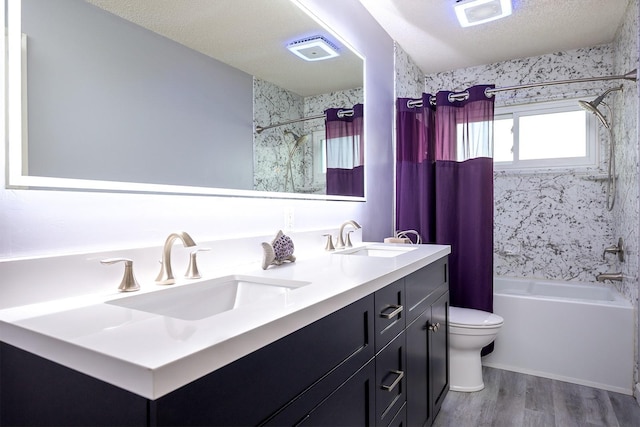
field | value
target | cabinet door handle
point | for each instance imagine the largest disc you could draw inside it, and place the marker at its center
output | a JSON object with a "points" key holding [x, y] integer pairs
{"points": [[390, 387], [434, 327], [396, 310]]}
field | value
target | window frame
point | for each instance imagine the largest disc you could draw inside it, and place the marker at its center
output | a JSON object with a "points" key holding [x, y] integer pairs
{"points": [[591, 158]]}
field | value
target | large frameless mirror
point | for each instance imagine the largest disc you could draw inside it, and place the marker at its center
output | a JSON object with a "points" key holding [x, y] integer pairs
{"points": [[166, 95]]}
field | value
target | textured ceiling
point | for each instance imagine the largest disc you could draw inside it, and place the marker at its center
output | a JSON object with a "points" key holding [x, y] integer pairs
{"points": [[250, 35], [427, 30]]}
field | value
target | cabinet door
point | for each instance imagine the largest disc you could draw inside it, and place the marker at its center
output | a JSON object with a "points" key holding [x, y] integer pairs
{"points": [[439, 353], [39, 392], [390, 380], [418, 408], [350, 405]]}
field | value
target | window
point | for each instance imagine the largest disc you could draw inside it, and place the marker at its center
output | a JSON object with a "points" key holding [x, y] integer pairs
{"points": [[542, 135], [319, 158]]}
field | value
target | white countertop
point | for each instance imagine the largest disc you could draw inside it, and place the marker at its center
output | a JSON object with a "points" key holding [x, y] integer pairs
{"points": [[152, 355]]}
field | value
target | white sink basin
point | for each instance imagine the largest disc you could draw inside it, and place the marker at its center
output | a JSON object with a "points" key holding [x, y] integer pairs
{"points": [[381, 250], [204, 299]]}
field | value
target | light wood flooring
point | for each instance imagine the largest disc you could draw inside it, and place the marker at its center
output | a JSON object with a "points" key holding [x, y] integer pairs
{"points": [[511, 399]]}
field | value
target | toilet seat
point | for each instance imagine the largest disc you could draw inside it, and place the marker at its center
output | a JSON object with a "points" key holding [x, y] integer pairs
{"points": [[473, 319]]}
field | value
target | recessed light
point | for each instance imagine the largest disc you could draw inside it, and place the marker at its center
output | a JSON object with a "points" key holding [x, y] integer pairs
{"points": [[474, 12], [314, 48]]}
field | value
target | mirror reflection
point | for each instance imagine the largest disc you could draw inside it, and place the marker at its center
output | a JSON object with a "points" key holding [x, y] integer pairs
{"points": [[169, 93]]}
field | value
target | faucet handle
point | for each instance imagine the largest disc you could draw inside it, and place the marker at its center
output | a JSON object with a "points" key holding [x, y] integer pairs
{"points": [[329, 246], [348, 244], [192, 269], [615, 249], [129, 282]]}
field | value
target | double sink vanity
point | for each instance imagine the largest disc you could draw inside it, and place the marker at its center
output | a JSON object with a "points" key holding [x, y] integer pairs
{"points": [[351, 337]]}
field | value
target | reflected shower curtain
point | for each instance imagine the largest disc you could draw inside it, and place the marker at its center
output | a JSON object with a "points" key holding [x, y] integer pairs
{"points": [[444, 179], [345, 151]]}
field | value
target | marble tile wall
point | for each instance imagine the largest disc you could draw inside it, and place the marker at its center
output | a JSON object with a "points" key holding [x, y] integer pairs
{"points": [[272, 147], [550, 224], [409, 79]]}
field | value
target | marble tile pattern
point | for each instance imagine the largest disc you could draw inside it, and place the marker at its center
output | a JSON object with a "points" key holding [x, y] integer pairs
{"points": [[272, 147], [409, 79], [550, 224]]}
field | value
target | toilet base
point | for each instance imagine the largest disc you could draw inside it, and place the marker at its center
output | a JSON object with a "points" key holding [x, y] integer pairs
{"points": [[465, 373], [467, 389]]}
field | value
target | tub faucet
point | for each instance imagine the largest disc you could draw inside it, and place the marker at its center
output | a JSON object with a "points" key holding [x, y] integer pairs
{"points": [[609, 276], [165, 277], [340, 243]]}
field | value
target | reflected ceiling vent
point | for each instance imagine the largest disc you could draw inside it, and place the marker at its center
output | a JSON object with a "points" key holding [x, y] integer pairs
{"points": [[475, 12], [314, 48]]}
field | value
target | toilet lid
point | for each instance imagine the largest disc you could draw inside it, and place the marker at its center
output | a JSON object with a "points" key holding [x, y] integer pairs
{"points": [[473, 318]]}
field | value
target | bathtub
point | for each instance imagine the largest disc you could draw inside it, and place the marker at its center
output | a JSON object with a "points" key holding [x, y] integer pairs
{"points": [[574, 332]]}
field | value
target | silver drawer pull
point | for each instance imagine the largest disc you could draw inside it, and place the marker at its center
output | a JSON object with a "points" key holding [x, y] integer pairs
{"points": [[435, 327], [393, 385], [396, 310]]}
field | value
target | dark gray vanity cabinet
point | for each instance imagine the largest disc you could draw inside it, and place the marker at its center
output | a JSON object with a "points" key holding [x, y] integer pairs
{"points": [[380, 361]]}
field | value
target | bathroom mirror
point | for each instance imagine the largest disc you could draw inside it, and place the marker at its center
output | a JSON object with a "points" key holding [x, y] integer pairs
{"points": [[165, 96]]}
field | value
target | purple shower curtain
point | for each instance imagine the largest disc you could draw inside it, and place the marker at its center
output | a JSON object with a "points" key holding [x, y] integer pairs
{"points": [[345, 151], [444, 179]]}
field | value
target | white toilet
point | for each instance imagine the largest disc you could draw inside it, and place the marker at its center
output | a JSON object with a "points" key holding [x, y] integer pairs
{"points": [[469, 331]]}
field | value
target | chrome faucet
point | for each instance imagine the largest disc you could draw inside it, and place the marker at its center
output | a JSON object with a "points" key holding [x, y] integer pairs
{"points": [[341, 239], [609, 276], [165, 277]]}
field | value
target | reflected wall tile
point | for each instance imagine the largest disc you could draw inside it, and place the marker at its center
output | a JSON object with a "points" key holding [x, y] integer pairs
{"points": [[273, 147]]}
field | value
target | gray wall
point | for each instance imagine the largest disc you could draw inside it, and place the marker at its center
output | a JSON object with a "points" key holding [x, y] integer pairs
{"points": [[109, 100]]}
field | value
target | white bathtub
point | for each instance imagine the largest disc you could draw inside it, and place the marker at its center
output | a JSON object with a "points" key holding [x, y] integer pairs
{"points": [[580, 333]]}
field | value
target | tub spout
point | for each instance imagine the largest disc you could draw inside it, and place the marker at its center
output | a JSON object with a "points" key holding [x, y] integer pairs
{"points": [[609, 276]]}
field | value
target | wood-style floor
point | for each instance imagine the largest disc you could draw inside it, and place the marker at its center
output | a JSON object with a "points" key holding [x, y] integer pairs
{"points": [[511, 399]]}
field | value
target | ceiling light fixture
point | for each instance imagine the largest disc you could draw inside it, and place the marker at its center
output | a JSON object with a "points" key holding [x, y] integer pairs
{"points": [[314, 48], [474, 12]]}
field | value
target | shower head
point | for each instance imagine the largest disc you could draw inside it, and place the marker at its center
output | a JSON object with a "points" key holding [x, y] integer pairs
{"points": [[299, 140], [592, 106]]}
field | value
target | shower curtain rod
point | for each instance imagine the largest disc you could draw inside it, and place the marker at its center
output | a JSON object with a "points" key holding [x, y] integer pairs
{"points": [[341, 114], [631, 75]]}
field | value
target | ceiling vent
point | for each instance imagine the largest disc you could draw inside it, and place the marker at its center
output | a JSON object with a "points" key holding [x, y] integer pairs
{"points": [[315, 48], [475, 12]]}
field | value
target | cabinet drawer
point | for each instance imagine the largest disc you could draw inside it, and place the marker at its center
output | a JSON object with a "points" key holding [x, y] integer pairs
{"points": [[390, 380], [400, 420], [350, 404], [420, 284], [252, 389], [389, 313]]}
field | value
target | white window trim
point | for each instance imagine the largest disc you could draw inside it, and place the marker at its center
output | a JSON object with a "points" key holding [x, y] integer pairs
{"points": [[592, 149]]}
